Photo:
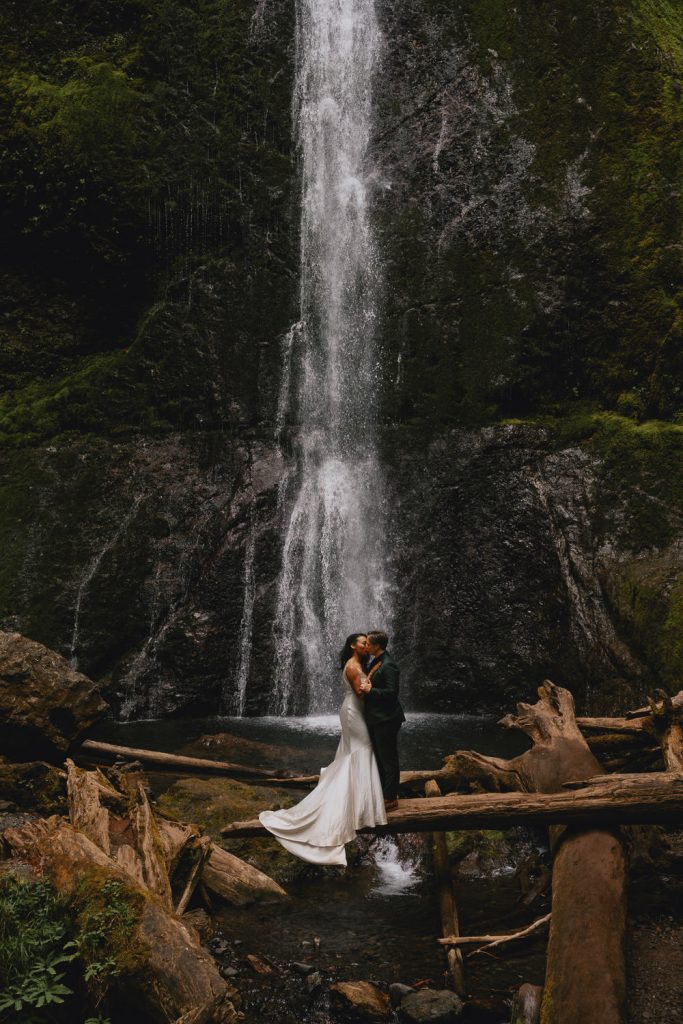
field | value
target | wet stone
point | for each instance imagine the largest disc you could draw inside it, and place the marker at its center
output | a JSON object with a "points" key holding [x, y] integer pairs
{"points": [[303, 969], [313, 981], [431, 1007], [368, 1001], [397, 992]]}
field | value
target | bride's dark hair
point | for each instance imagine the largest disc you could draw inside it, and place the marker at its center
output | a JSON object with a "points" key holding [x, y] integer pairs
{"points": [[347, 650]]}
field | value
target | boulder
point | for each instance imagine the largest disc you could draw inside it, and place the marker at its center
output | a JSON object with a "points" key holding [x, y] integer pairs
{"points": [[364, 998], [45, 705], [430, 1006]]}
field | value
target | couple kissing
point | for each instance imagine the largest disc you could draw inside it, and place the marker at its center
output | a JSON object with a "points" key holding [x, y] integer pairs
{"points": [[361, 784]]}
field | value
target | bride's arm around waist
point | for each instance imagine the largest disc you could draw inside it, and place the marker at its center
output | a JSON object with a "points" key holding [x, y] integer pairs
{"points": [[356, 677]]}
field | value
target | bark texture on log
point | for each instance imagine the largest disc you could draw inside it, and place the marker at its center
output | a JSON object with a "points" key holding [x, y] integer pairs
{"points": [[236, 881], [641, 802], [585, 970]]}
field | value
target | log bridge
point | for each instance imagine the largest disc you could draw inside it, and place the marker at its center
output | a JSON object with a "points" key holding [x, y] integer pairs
{"points": [[558, 783]]}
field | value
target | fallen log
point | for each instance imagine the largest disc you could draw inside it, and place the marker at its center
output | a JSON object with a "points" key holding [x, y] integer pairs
{"points": [[609, 803], [447, 906], [237, 882], [676, 700], [667, 721], [163, 761], [490, 941]]}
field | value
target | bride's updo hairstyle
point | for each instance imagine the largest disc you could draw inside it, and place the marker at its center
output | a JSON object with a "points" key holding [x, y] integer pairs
{"points": [[347, 650]]}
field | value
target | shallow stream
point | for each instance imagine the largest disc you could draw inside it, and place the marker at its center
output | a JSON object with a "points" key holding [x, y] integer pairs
{"points": [[378, 920]]}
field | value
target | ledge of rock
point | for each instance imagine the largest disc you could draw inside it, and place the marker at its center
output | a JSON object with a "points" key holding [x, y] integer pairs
{"points": [[45, 705]]}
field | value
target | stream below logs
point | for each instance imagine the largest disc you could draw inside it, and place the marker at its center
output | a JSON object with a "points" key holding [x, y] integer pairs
{"points": [[379, 920]]}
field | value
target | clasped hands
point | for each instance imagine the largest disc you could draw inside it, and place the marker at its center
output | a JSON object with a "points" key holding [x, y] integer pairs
{"points": [[365, 686]]}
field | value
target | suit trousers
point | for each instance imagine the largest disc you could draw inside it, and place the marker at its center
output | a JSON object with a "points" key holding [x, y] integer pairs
{"points": [[384, 737]]}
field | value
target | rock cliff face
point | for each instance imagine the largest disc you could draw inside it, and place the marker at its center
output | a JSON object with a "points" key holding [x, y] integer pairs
{"points": [[530, 231]]}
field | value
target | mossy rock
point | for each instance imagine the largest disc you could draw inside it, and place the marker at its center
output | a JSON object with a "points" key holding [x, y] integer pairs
{"points": [[214, 802], [33, 786]]}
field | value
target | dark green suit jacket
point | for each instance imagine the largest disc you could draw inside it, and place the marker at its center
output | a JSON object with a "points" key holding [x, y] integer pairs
{"points": [[382, 703]]}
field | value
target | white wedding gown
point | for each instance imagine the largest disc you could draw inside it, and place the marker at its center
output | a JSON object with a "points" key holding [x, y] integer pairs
{"points": [[348, 796]]}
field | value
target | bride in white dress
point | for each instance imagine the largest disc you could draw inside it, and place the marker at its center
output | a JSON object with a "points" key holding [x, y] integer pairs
{"points": [[349, 795]]}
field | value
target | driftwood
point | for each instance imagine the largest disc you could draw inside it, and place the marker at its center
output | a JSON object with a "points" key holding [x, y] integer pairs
{"points": [[447, 905], [526, 1006], [634, 800], [488, 942], [167, 976], [666, 715], [167, 858], [237, 882], [585, 969], [162, 761]]}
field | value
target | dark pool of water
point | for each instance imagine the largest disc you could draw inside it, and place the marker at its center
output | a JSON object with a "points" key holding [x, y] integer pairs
{"points": [[378, 920], [425, 739]]}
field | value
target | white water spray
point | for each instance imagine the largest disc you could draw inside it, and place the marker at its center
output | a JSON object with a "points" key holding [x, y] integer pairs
{"points": [[333, 579]]}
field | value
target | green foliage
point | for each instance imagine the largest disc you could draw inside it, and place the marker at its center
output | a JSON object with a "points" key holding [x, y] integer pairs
{"points": [[106, 923], [35, 949], [54, 948], [139, 138]]}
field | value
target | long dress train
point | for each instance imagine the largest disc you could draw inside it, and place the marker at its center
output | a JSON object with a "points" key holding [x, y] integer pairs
{"points": [[348, 796]]}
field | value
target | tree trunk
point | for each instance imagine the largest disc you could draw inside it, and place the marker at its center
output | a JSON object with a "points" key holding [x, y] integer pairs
{"points": [[447, 906]]}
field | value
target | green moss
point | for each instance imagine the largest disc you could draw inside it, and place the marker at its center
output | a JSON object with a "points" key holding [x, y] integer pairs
{"points": [[490, 844], [72, 946], [213, 802], [34, 786]]}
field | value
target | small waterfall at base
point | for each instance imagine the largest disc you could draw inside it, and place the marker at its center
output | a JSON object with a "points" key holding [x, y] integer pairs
{"points": [[333, 578]]}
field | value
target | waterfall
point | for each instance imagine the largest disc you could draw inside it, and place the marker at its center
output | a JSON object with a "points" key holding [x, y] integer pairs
{"points": [[90, 572], [333, 578]]}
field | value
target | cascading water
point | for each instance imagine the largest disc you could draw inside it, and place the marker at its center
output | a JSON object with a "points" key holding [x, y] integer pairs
{"points": [[333, 578]]}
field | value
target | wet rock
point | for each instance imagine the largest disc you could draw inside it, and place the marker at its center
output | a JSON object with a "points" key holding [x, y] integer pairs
{"points": [[259, 964], [313, 981], [45, 706], [368, 1001], [526, 1006], [219, 947], [397, 991], [302, 969], [431, 1006], [228, 972]]}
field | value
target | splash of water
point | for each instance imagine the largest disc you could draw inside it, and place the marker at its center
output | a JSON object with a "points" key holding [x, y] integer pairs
{"points": [[333, 579], [397, 870]]}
